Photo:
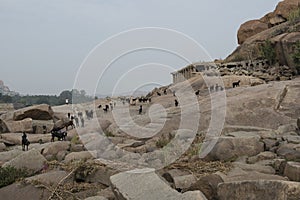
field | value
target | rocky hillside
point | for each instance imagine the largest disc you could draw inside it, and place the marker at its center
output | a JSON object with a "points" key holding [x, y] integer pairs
{"points": [[4, 90], [257, 153], [273, 37]]}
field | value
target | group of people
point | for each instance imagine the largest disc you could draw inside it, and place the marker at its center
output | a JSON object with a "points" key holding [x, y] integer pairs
{"points": [[76, 119]]}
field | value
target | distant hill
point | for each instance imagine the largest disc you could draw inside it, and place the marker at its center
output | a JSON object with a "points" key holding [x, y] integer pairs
{"points": [[4, 90]]}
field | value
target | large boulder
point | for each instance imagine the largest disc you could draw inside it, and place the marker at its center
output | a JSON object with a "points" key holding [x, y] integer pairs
{"points": [[249, 29], [146, 184], [52, 149], [230, 148], [16, 126], [284, 8], [289, 151], [9, 155], [31, 160], [24, 191], [260, 189], [292, 171], [42, 126], [38, 112], [50, 179], [82, 155]]}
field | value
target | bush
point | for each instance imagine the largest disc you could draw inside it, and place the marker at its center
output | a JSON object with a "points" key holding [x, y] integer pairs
{"points": [[294, 15], [162, 142], [108, 134], [267, 51], [9, 175]]}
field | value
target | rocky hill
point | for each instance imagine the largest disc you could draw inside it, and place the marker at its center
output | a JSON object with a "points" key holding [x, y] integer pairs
{"points": [[274, 37], [4, 90]]}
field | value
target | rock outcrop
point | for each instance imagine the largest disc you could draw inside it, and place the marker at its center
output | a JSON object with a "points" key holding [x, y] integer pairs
{"points": [[261, 189], [283, 33], [145, 184]]}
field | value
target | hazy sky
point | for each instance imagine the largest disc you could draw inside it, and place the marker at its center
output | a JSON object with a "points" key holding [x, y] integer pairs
{"points": [[44, 42]]}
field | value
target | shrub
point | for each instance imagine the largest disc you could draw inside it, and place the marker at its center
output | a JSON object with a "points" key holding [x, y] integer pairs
{"points": [[162, 142], [9, 175], [267, 51], [108, 134], [294, 15]]}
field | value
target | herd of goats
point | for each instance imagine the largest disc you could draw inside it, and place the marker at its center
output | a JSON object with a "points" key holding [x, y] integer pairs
{"points": [[61, 135]]}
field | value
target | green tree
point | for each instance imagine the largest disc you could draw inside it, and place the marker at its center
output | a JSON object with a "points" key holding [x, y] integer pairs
{"points": [[267, 51]]}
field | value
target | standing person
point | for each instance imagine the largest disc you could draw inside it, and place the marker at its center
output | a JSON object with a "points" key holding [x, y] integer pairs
{"points": [[141, 109], [25, 142], [76, 121], [82, 122], [176, 103], [69, 115]]}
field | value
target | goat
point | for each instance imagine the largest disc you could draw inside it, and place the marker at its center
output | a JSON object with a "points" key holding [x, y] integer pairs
{"points": [[236, 84], [25, 142], [60, 135]]}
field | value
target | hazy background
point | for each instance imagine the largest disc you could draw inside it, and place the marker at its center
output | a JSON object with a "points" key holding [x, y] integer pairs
{"points": [[43, 42]]}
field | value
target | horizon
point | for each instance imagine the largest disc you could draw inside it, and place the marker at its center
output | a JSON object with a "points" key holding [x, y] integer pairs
{"points": [[45, 43]]}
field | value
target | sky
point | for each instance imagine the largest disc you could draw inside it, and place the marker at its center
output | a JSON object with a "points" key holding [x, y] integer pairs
{"points": [[45, 44]]}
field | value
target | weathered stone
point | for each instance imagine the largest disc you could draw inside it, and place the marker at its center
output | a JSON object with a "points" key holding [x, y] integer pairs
{"points": [[77, 147], [289, 151], [100, 175], [2, 146], [31, 160], [107, 193], [184, 182], [83, 155], [38, 112], [249, 29], [9, 155], [270, 143], [208, 185], [279, 165], [16, 138], [54, 147], [298, 123], [229, 148], [96, 198], [292, 171], [19, 126], [260, 189], [60, 156], [238, 174], [51, 178], [23, 191], [42, 126], [145, 184], [292, 139], [266, 155], [255, 167]]}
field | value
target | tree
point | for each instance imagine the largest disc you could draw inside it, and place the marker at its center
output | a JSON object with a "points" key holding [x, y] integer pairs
{"points": [[66, 94], [268, 52]]}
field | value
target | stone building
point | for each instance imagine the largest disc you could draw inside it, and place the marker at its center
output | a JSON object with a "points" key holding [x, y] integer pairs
{"points": [[192, 70]]}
